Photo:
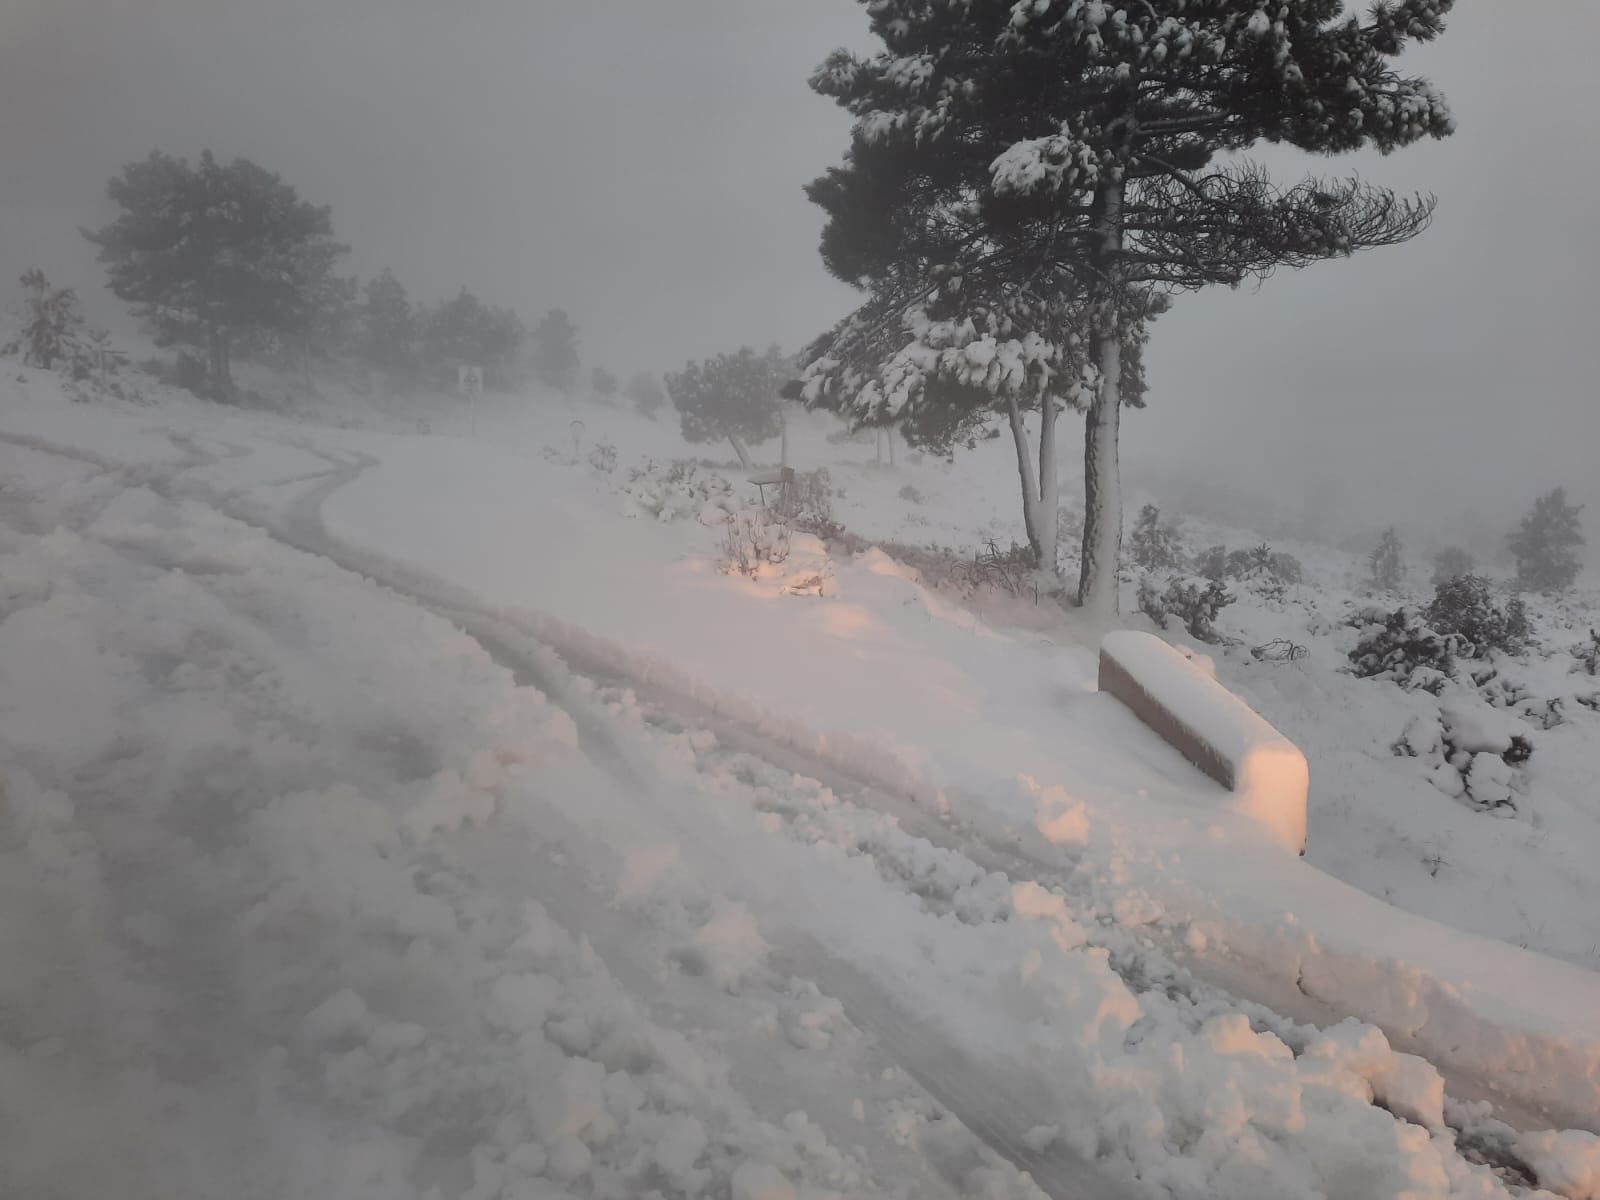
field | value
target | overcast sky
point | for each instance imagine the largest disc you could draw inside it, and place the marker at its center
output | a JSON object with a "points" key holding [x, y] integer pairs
{"points": [[640, 163]]}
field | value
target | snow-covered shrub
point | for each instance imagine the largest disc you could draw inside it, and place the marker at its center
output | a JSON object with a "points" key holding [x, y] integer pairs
{"points": [[910, 494], [1518, 632], [1194, 602], [1400, 646], [1011, 571], [811, 505], [1507, 692], [1587, 655], [1262, 569], [1212, 563], [752, 540], [1463, 606], [56, 337], [1387, 562], [677, 491], [1451, 563], [1286, 568], [604, 456], [52, 326], [1155, 545], [1473, 753]]}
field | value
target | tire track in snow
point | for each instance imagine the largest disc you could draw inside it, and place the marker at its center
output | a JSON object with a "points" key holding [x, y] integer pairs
{"points": [[999, 1107], [985, 1101], [208, 1034], [994, 1105]]}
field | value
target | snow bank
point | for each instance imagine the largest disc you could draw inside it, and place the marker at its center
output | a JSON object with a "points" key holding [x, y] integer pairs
{"points": [[1567, 1163], [1212, 728]]}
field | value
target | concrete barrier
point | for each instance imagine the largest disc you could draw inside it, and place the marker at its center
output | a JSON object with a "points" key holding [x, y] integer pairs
{"points": [[1215, 730]]}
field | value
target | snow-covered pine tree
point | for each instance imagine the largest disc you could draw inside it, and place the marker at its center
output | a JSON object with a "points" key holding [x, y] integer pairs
{"points": [[52, 323], [1155, 545], [215, 252], [733, 396], [1026, 181], [1386, 563], [555, 350], [1546, 544]]}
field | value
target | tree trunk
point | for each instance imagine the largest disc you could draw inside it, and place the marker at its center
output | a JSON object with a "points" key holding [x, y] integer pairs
{"points": [[741, 450], [1030, 487], [889, 435], [1102, 485], [1048, 517]]}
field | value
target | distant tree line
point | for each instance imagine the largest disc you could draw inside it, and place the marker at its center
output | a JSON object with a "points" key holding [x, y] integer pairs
{"points": [[226, 259]]}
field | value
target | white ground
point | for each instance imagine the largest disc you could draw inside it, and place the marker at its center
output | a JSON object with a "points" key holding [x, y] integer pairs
{"points": [[329, 884]]}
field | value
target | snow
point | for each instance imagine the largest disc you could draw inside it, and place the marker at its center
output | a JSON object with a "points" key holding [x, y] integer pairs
{"points": [[759, 1181], [1479, 730], [1567, 1163], [341, 1015], [339, 883], [1183, 702], [730, 946]]}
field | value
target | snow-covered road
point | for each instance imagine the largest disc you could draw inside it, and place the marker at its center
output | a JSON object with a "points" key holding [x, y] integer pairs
{"points": [[327, 879], [283, 921]]}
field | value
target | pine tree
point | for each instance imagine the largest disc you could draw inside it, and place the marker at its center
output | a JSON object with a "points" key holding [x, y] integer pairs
{"points": [[211, 253], [1027, 182], [388, 324], [645, 390], [555, 350], [1387, 562], [52, 325], [603, 383], [733, 396], [1546, 544], [1155, 545]]}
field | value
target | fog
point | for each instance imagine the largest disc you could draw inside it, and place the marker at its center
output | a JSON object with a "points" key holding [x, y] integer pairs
{"points": [[640, 164]]}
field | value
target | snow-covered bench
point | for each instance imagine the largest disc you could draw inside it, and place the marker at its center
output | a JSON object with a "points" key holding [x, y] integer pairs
{"points": [[1211, 727], [783, 478]]}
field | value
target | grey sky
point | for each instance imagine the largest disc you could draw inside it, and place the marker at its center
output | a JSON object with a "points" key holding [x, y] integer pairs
{"points": [[640, 163]]}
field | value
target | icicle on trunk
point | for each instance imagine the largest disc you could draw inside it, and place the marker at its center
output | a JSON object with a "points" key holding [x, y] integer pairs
{"points": [[741, 450], [1030, 487], [1102, 485]]}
